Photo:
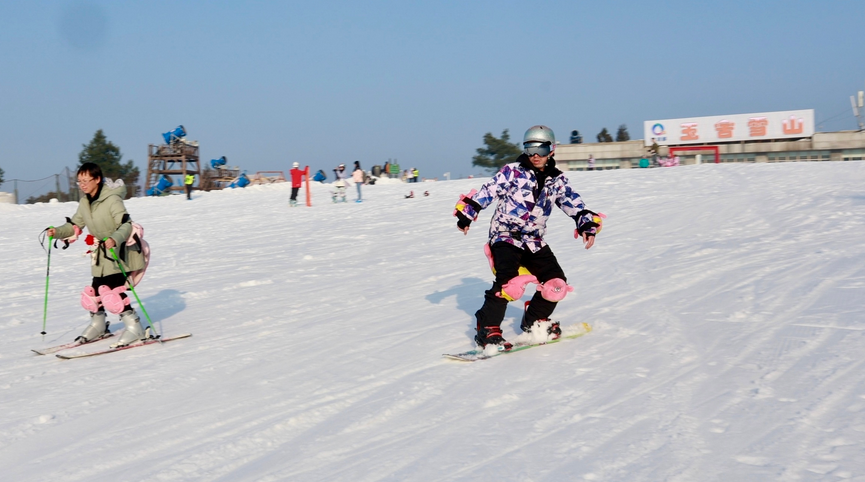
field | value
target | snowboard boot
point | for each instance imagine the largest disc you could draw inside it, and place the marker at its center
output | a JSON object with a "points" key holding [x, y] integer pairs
{"points": [[492, 335], [555, 329], [97, 329], [133, 332]]}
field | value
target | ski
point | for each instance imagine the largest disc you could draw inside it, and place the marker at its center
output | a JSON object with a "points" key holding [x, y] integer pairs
{"points": [[54, 349], [146, 342], [569, 333]]}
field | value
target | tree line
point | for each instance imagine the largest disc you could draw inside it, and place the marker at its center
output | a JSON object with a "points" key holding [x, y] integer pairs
{"points": [[498, 151], [107, 156]]}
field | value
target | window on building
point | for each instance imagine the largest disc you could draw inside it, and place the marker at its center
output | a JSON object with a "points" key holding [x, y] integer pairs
{"points": [[853, 155]]}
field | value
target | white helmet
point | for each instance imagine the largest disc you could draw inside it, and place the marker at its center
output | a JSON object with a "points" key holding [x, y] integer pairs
{"points": [[295, 165]]}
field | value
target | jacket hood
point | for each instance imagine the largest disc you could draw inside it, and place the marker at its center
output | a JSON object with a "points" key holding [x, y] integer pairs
{"points": [[549, 171], [109, 188]]}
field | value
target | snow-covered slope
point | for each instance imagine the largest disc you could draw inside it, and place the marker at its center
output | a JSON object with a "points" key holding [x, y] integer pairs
{"points": [[727, 302]]}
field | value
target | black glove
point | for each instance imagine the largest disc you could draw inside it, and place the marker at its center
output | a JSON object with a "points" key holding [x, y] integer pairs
{"points": [[466, 203], [463, 221], [589, 227]]}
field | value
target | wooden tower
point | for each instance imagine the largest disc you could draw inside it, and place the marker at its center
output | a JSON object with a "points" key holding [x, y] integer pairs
{"points": [[176, 159]]}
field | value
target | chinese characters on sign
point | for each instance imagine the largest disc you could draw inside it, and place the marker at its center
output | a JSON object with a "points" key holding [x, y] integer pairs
{"points": [[689, 132], [725, 129], [730, 128], [793, 125], [757, 126]]}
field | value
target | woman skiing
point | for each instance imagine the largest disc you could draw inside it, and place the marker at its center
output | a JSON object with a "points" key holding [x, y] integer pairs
{"points": [[525, 191], [102, 212]]}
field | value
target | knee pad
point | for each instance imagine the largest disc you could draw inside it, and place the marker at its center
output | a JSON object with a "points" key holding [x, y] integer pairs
{"points": [[516, 287], [111, 299], [89, 300], [555, 290]]}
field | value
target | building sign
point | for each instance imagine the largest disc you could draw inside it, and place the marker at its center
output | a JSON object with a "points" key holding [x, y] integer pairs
{"points": [[730, 128]]}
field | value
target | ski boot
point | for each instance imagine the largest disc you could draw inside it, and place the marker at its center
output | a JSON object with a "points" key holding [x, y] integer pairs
{"points": [[292, 203], [97, 329], [133, 333], [492, 335], [554, 330]]}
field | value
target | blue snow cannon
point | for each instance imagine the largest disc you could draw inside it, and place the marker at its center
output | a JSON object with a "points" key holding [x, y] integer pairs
{"points": [[175, 135], [164, 183], [217, 163], [241, 181]]}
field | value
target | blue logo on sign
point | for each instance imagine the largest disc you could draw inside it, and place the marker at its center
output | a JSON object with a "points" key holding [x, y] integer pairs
{"points": [[658, 129]]}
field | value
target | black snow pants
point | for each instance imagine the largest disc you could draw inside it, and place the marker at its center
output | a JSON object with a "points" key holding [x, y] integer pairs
{"points": [[507, 260]]}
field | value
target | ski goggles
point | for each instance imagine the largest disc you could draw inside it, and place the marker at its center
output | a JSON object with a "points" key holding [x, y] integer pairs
{"points": [[542, 149]]}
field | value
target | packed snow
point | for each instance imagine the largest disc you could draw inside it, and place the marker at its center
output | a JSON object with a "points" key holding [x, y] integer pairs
{"points": [[727, 301]]}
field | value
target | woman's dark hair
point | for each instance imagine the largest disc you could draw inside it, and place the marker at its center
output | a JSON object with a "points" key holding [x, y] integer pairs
{"points": [[93, 170]]}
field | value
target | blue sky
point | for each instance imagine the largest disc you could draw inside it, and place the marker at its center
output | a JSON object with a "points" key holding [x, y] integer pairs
{"points": [[323, 83]]}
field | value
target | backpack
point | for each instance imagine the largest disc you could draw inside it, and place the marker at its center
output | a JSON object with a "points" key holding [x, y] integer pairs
{"points": [[137, 238]]}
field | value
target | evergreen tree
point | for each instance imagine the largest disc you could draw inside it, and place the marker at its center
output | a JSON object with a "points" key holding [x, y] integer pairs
{"points": [[497, 153], [604, 136], [107, 156], [1, 175], [622, 134]]}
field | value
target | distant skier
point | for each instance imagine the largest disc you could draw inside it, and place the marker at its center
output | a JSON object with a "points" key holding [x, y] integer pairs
{"points": [[525, 192], [357, 176], [188, 180], [339, 173], [296, 181], [102, 212]]}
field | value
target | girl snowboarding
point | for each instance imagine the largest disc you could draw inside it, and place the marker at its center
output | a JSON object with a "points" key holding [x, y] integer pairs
{"points": [[525, 192]]}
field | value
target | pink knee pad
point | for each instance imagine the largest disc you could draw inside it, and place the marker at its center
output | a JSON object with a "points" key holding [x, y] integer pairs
{"points": [[516, 287], [555, 289], [89, 300], [111, 299]]}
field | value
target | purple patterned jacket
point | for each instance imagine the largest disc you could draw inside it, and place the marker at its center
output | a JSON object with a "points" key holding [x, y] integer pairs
{"points": [[524, 206]]}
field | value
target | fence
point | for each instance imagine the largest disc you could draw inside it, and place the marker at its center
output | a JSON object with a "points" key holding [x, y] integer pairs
{"points": [[61, 186]]}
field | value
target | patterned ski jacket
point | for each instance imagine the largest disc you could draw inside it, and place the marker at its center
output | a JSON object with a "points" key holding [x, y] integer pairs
{"points": [[525, 201]]}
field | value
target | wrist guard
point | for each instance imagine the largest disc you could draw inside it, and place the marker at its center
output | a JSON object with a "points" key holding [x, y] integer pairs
{"points": [[592, 227], [466, 210]]}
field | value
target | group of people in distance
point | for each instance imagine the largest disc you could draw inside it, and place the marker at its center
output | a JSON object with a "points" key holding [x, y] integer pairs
{"points": [[524, 192]]}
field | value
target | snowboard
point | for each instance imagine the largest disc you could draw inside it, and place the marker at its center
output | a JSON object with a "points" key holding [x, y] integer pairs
{"points": [[568, 333]]}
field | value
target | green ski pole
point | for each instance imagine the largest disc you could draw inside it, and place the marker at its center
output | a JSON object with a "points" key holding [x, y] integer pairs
{"points": [[47, 272], [132, 288]]}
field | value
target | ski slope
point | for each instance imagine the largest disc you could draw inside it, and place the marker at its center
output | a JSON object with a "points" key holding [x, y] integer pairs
{"points": [[728, 306]]}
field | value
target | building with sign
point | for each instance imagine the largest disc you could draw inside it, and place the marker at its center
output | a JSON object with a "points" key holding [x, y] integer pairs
{"points": [[760, 137]]}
